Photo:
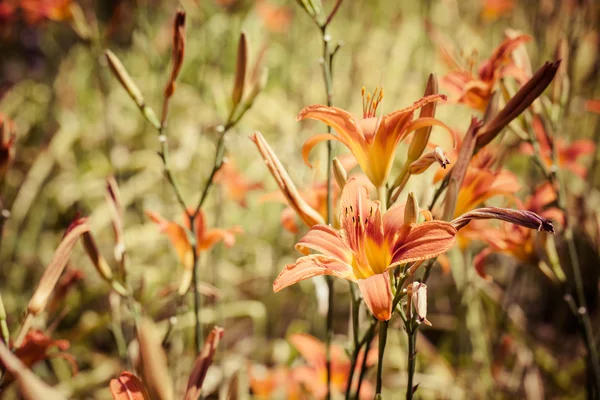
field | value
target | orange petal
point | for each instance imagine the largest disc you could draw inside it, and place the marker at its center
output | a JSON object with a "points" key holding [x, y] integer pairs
{"points": [[326, 240], [340, 120], [422, 241], [310, 348], [214, 235], [312, 142], [311, 266], [201, 364], [178, 238], [425, 122], [393, 220], [359, 215], [378, 295], [128, 387]]}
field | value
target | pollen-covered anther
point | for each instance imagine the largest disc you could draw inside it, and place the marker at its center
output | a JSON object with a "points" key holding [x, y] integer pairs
{"points": [[371, 102]]}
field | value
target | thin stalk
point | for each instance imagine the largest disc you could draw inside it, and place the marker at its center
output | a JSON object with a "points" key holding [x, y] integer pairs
{"points": [[197, 299], [383, 328], [366, 340], [412, 357], [363, 367], [327, 76]]}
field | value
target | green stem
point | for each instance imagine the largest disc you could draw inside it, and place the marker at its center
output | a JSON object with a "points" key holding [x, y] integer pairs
{"points": [[412, 358], [383, 328], [363, 367], [197, 298]]}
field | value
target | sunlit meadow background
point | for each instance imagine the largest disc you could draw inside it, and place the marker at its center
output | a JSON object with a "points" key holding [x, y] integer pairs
{"points": [[76, 126]]}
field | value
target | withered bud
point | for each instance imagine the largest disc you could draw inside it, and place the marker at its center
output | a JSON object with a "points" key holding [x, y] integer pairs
{"points": [[154, 361], [201, 364], [421, 136], [306, 213], [411, 210], [128, 387], [423, 163], [418, 301], [240, 71], [525, 218], [518, 103], [44, 290], [178, 50], [457, 175], [30, 386], [340, 174], [97, 259]]}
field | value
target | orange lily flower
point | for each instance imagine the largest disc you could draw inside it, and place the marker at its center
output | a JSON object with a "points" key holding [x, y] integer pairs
{"points": [[518, 241], [35, 11], [278, 382], [206, 238], [314, 376], [495, 9], [35, 348], [366, 246], [475, 90], [568, 154], [235, 184], [373, 140]]}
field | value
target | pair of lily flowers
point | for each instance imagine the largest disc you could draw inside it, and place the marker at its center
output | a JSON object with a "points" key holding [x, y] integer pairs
{"points": [[371, 242]]}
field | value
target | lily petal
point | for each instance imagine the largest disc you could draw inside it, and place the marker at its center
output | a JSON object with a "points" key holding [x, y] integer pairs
{"points": [[325, 240], [340, 120], [378, 295], [313, 141], [358, 215], [178, 238], [422, 241], [309, 267]]}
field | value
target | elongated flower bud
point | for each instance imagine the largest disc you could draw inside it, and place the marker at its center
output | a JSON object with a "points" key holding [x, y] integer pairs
{"points": [[42, 293], [113, 199], [240, 71], [97, 259], [7, 148], [518, 103], [421, 136], [525, 218], [134, 92], [340, 174], [201, 364], [178, 50], [306, 213], [411, 210], [128, 387], [154, 361]]}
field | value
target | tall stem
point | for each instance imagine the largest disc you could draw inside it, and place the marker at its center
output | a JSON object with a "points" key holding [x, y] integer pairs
{"points": [[412, 358], [383, 328]]}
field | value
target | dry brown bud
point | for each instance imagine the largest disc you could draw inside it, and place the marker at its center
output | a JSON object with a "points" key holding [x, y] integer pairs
{"points": [[525, 218], [306, 213], [30, 386], [426, 161], [418, 300], [97, 259], [42, 293], [201, 364], [518, 103], [128, 387], [240, 71], [154, 361]]}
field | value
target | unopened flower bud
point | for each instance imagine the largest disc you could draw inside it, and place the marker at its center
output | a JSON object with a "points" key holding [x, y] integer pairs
{"points": [[154, 361], [527, 219], [201, 364], [423, 163], [340, 174], [411, 210], [240, 71], [97, 259], [306, 213], [128, 387], [421, 136]]}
